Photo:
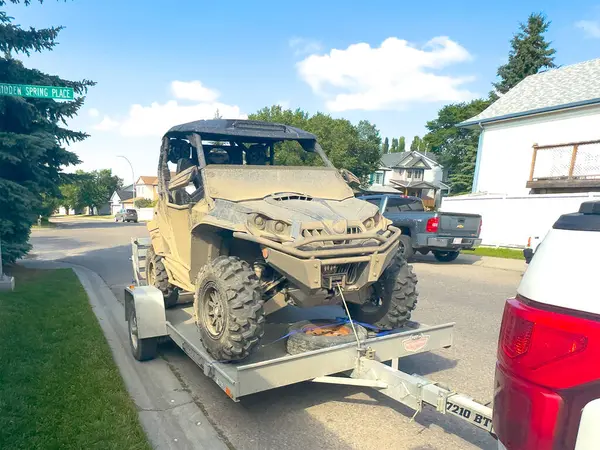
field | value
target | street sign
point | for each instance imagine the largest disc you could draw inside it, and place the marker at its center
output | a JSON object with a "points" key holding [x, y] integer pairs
{"points": [[31, 90]]}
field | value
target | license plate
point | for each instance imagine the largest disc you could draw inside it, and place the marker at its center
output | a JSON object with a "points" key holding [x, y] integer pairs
{"points": [[457, 241]]}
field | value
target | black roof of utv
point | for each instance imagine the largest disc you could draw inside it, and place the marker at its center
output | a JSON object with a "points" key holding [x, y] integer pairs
{"points": [[248, 130]]}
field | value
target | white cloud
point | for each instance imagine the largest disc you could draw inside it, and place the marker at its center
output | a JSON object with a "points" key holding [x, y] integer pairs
{"points": [[303, 46], [93, 112], [106, 124], [590, 27], [157, 118], [193, 90], [387, 77]]}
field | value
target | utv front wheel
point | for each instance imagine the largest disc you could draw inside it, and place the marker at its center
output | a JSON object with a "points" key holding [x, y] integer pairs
{"points": [[392, 298], [229, 308], [157, 276]]}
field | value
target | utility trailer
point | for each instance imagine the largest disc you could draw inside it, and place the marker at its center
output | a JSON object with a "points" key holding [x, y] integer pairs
{"points": [[371, 362]]}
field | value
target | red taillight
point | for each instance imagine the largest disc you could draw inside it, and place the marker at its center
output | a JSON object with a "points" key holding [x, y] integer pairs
{"points": [[546, 357], [433, 224]]}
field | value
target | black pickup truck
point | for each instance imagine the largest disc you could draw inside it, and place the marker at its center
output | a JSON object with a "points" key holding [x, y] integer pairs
{"points": [[443, 233]]}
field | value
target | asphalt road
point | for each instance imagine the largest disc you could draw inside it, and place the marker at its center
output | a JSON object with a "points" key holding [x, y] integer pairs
{"points": [[327, 416]]}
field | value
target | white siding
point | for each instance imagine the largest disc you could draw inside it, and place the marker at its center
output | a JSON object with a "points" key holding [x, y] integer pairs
{"points": [[506, 149], [508, 221], [144, 191]]}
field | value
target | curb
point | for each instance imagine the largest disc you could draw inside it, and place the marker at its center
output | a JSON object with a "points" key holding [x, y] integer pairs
{"points": [[168, 413], [490, 262]]}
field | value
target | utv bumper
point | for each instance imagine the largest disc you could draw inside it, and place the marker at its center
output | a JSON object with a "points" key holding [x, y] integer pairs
{"points": [[339, 261]]}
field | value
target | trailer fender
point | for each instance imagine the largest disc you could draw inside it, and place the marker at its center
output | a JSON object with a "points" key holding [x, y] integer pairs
{"points": [[149, 307]]}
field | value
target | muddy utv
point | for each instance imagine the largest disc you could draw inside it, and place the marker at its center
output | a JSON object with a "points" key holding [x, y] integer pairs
{"points": [[248, 237]]}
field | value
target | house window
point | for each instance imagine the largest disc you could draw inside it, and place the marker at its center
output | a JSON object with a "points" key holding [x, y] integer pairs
{"points": [[415, 174], [378, 179]]}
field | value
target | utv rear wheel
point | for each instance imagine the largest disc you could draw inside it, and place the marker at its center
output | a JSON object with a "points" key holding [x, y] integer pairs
{"points": [[229, 308], [157, 276], [445, 256], [393, 297]]}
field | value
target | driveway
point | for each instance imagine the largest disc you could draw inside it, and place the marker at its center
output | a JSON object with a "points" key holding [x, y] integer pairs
{"points": [[310, 415]]}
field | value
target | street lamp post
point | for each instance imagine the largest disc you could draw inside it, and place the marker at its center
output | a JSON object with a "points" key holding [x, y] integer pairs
{"points": [[132, 174]]}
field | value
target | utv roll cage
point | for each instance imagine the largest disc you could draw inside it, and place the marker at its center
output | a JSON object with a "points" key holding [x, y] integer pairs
{"points": [[190, 144]]}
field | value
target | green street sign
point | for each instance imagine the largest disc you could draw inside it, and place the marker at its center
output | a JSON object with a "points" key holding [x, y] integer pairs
{"points": [[31, 90]]}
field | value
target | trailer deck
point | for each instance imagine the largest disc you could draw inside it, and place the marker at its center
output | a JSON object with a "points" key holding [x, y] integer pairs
{"points": [[372, 362]]}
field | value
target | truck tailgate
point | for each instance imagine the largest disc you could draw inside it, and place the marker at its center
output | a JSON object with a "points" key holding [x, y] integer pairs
{"points": [[459, 225]]}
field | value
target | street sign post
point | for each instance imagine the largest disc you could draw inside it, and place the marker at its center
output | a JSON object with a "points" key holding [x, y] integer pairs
{"points": [[34, 91]]}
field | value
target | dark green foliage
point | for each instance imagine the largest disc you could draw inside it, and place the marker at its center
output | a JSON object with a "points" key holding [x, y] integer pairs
{"points": [[528, 55], [456, 147], [401, 144], [394, 147], [355, 148], [33, 135], [144, 203], [386, 146]]}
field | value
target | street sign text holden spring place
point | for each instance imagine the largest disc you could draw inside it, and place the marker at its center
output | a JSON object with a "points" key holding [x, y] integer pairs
{"points": [[29, 90]]}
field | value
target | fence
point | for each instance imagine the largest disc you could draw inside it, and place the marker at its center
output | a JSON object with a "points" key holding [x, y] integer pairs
{"points": [[145, 214], [577, 160], [508, 221]]}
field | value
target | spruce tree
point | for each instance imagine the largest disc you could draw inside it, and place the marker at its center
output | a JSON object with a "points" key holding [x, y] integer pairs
{"points": [[33, 135], [529, 53], [394, 147]]}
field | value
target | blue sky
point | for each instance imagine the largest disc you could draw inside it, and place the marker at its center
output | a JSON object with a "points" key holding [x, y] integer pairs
{"points": [[393, 63]]}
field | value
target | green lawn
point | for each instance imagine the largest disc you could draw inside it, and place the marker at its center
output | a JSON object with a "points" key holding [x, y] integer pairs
{"points": [[510, 253], [59, 386]]}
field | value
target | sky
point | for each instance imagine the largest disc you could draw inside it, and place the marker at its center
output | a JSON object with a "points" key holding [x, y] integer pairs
{"points": [[394, 63]]}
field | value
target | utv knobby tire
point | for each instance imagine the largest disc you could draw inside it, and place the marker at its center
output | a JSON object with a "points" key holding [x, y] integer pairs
{"points": [[157, 276], [300, 342], [394, 297], [230, 287], [445, 256]]}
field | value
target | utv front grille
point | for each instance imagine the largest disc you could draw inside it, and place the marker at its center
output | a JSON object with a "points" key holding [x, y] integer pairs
{"points": [[342, 274], [353, 230]]}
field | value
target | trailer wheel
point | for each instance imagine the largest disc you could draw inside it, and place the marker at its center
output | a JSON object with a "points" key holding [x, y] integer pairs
{"points": [[313, 335], [228, 307], [393, 297], [445, 256], [157, 276], [142, 349]]}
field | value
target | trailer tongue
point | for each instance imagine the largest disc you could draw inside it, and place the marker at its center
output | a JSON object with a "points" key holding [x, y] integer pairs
{"points": [[371, 362]]}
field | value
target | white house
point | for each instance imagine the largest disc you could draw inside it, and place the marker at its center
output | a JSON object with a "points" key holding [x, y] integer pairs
{"points": [[411, 173], [121, 199], [543, 136], [538, 154]]}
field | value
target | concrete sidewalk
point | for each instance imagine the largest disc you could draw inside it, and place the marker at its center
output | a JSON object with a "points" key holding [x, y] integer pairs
{"points": [[490, 262], [170, 416]]}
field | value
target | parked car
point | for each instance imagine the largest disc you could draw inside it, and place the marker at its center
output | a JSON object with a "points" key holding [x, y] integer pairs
{"points": [[126, 215], [547, 383], [443, 233]]}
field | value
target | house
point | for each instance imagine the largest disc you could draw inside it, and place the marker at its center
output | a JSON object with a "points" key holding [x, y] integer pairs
{"points": [[542, 136], [411, 173], [146, 187], [122, 199]]}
